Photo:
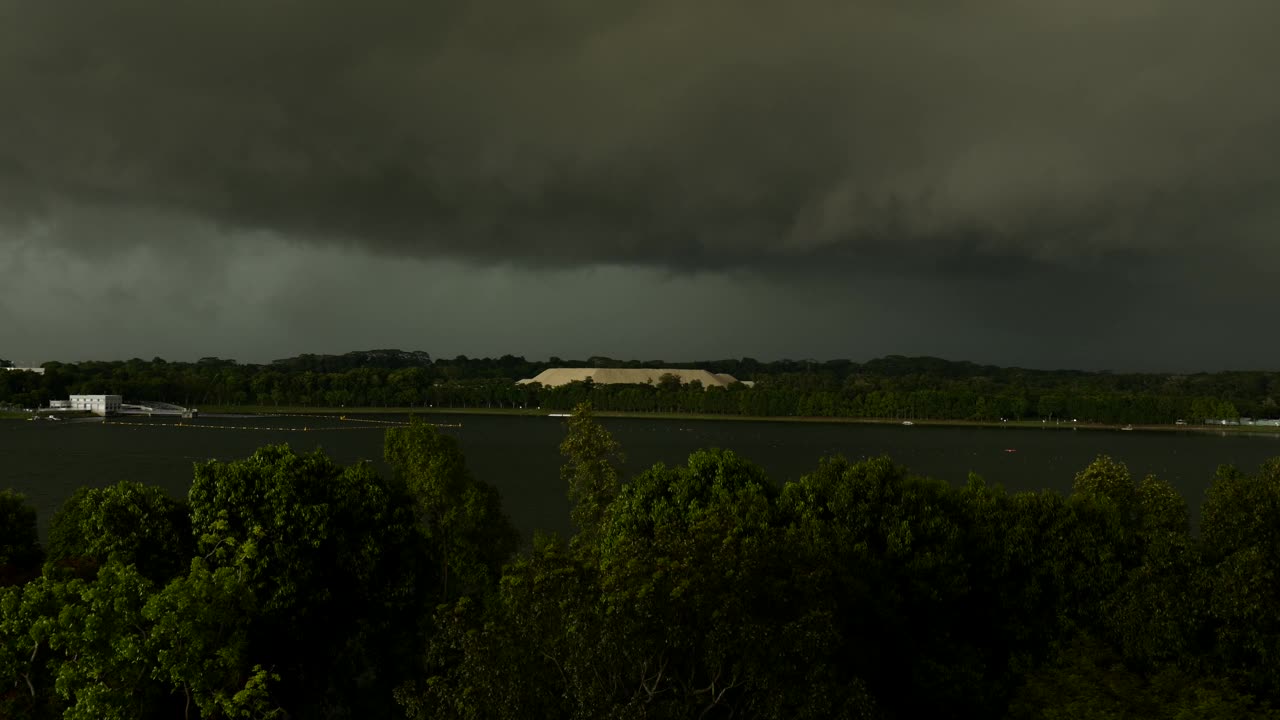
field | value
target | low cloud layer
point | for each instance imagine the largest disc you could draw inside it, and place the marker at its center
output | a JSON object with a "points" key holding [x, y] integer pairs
{"points": [[1057, 184], [262, 297], [670, 134]]}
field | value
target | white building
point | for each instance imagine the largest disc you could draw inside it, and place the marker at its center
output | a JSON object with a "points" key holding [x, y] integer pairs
{"points": [[38, 371], [96, 404]]}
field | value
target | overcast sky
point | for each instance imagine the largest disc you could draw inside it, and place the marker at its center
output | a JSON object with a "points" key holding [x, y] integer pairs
{"points": [[1046, 183]]}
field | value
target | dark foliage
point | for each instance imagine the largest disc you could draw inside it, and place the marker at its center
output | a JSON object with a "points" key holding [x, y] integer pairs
{"points": [[291, 586], [20, 552], [890, 387]]}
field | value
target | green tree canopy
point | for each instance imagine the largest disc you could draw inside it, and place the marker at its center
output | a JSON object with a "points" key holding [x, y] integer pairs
{"points": [[1240, 537], [332, 557], [592, 472], [20, 551], [132, 523], [460, 518]]}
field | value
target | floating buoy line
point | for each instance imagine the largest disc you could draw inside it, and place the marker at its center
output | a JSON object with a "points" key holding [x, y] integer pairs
{"points": [[344, 418], [397, 423]]}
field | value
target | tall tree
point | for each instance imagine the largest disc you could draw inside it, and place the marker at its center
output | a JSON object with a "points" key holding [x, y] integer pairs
{"points": [[882, 554], [117, 646], [1240, 535], [198, 632], [683, 610], [700, 618], [132, 523], [331, 556], [592, 471], [460, 517]]}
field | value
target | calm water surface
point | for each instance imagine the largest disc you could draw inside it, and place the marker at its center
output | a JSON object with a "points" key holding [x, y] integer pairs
{"points": [[47, 461]]}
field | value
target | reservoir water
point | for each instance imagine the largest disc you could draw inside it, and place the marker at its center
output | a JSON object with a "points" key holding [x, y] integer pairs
{"points": [[47, 461]]}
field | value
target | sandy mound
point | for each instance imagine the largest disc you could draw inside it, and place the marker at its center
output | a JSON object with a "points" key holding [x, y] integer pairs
{"points": [[555, 377]]}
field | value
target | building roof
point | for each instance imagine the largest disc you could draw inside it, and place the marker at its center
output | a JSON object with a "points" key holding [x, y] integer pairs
{"points": [[555, 377], [36, 370]]}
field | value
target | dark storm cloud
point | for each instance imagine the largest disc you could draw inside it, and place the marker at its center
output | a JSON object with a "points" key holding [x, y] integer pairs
{"points": [[670, 133]]}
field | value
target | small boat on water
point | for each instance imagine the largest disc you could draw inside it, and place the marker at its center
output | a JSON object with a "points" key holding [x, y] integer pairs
{"points": [[1010, 450], [907, 422], [559, 415]]}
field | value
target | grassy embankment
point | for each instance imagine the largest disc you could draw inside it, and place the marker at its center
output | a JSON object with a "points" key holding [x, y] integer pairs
{"points": [[302, 410], [24, 415]]}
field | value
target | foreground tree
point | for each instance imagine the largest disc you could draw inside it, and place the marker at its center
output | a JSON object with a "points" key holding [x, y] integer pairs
{"points": [[331, 556], [592, 472], [701, 618], [129, 522], [460, 518], [1240, 536], [117, 646], [309, 589], [678, 606], [74, 647], [1088, 680], [303, 595], [199, 636], [20, 552], [884, 556]]}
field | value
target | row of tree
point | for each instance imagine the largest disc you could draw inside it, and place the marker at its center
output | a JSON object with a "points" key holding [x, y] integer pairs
{"points": [[781, 397], [289, 586], [285, 586], [893, 387]]}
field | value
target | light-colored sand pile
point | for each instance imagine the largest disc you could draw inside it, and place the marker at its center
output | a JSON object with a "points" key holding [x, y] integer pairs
{"points": [[555, 377]]}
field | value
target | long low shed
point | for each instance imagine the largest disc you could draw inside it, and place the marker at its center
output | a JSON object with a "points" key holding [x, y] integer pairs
{"points": [[555, 377]]}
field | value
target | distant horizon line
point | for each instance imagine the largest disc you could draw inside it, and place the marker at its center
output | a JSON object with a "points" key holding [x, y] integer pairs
{"points": [[434, 360]]}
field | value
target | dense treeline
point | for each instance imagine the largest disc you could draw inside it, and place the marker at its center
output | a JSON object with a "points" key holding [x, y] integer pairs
{"points": [[289, 586], [891, 387]]}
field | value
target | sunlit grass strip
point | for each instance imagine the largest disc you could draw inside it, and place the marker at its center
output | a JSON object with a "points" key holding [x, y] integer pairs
{"points": [[277, 428]]}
